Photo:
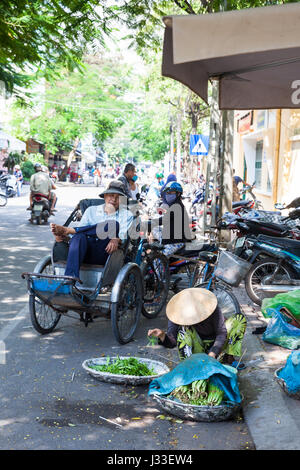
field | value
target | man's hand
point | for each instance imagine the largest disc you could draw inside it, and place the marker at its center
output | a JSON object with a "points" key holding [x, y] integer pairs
{"points": [[112, 246], [157, 333]]}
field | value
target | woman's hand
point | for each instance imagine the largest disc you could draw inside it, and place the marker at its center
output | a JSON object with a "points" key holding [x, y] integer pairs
{"points": [[212, 354], [157, 333]]}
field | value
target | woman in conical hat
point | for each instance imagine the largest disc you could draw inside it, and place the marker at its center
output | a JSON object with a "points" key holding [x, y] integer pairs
{"points": [[196, 324]]}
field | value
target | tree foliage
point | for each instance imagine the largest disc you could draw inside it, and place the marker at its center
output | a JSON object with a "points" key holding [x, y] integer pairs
{"points": [[82, 103], [144, 17], [36, 36]]}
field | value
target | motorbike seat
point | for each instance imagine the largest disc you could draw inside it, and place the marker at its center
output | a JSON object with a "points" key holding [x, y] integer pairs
{"points": [[208, 257], [40, 195], [189, 253], [288, 244], [268, 227], [242, 203]]}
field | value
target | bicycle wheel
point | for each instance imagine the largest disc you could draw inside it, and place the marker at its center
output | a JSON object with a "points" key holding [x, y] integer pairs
{"points": [[44, 318], [156, 279], [227, 301], [125, 312], [3, 200]]}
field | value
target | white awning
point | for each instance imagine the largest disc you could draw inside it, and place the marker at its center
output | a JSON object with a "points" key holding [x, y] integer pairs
{"points": [[254, 53]]}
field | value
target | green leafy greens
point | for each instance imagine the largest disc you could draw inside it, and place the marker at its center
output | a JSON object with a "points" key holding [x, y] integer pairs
{"points": [[128, 366]]}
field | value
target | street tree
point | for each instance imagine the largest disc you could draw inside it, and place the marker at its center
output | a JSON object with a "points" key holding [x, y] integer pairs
{"points": [[78, 104], [37, 36]]}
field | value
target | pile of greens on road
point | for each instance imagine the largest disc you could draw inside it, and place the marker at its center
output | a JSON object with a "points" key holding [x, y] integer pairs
{"points": [[127, 366]]}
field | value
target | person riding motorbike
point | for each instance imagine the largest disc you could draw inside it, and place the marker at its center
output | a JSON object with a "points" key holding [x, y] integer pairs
{"points": [[172, 229], [40, 183], [171, 177]]}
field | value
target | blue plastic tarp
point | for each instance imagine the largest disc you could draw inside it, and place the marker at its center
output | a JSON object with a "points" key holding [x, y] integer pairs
{"points": [[197, 367], [280, 332], [291, 372]]}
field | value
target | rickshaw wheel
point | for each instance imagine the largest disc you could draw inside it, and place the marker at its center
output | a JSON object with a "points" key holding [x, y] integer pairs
{"points": [[43, 317], [156, 279], [126, 311]]}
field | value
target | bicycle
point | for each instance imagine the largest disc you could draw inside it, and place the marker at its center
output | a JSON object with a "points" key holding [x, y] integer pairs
{"points": [[214, 277], [249, 189]]}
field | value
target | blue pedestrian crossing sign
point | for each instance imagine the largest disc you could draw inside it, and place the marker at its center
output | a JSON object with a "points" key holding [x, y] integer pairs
{"points": [[199, 144]]}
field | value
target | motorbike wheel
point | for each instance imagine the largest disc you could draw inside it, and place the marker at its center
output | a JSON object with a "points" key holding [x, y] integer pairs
{"points": [[259, 271], [39, 220], [3, 200], [44, 319], [156, 279]]}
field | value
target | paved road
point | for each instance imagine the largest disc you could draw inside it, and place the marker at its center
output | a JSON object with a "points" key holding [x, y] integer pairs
{"points": [[47, 400]]}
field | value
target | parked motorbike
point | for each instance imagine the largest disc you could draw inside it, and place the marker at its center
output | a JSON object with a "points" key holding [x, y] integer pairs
{"points": [[198, 199], [40, 211], [245, 227], [277, 269], [8, 184]]}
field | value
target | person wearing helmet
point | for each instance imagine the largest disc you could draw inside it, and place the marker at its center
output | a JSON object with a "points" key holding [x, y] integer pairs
{"points": [[170, 178], [172, 229], [40, 183], [159, 177]]}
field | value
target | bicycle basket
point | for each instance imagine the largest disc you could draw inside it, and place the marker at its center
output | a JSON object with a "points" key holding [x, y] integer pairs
{"points": [[231, 269]]}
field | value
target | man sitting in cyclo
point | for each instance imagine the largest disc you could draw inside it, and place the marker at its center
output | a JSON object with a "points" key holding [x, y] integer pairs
{"points": [[99, 233], [197, 325]]}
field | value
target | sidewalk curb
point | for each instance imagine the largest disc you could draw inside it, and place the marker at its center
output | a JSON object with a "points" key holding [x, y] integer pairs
{"points": [[271, 425]]}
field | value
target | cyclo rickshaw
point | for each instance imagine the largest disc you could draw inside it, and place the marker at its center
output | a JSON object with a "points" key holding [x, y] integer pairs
{"points": [[134, 280]]}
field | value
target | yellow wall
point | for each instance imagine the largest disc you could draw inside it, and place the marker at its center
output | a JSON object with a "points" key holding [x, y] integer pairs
{"points": [[281, 155]]}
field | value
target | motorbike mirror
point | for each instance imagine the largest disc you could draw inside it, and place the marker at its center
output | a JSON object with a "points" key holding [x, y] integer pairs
{"points": [[279, 205]]}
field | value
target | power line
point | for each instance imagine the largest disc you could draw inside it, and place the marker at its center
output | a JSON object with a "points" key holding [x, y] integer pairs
{"points": [[86, 107]]}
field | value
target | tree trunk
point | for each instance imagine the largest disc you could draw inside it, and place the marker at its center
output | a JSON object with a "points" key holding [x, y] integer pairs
{"points": [[69, 161], [178, 146], [213, 156]]}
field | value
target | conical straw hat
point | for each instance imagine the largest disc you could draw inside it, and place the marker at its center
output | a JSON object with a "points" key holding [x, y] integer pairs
{"points": [[191, 306]]}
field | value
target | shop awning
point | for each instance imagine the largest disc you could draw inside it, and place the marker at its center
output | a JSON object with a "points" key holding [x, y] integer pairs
{"points": [[253, 53]]}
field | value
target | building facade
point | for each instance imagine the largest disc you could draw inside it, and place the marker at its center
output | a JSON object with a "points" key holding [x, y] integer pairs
{"points": [[267, 151]]}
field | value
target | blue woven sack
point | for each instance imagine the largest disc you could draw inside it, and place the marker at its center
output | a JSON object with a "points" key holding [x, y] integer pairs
{"points": [[197, 367]]}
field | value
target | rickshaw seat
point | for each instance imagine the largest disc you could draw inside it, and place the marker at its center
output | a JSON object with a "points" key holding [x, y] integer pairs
{"points": [[90, 274], [85, 203]]}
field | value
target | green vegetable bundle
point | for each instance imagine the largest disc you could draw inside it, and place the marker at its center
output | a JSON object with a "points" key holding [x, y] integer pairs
{"points": [[128, 366], [199, 392]]}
